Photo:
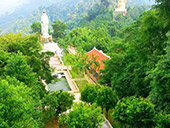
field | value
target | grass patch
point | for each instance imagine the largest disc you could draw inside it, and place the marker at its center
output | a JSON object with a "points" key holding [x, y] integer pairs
{"points": [[81, 84], [75, 75]]}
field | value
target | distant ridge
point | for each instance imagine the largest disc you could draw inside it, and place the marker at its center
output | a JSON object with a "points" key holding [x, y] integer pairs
{"points": [[56, 9]]}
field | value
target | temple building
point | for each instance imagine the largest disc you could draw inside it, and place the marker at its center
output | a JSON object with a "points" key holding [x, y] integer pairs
{"points": [[99, 57], [121, 7]]}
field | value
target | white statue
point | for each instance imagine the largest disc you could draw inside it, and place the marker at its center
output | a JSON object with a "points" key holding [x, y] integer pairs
{"points": [[44, 25]]}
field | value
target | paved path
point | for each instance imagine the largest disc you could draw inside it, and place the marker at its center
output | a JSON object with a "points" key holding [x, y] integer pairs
{"points": [[77, 97], [73, 86], [106, 125], [59, 67]]}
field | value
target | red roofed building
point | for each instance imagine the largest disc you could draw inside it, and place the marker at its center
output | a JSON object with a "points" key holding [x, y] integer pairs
{"points": [[99, 57]]}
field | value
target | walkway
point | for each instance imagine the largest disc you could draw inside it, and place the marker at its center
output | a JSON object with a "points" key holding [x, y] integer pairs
{"points": [[59, 67], [106, 124]]}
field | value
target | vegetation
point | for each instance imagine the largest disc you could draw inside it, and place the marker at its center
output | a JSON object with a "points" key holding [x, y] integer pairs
{"points": [[137, 112], [82, 116], [103, 96], [134, 84], [160, 81], [56, 103], [59, 29], [89, 94], [36, 27], [106, 98], [81, 84], [23, 67], [138, 51], [18, 105]]}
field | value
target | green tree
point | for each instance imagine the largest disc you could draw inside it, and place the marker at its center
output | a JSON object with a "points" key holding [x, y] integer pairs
{"points": [[106, 98], [163, 121], [55, 103], [18, 108], [50, 104], [89, 94], [43, 67], [59, 29], [80, 63], [30, 46], [137, 112], [17, 67], [36, 27], [106, 3], [3, 60], [163, 7], [82, 116], [95, 65], [159, 77], [65, 101]]}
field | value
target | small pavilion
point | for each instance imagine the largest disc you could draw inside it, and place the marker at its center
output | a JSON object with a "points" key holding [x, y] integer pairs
{"points": [[99, 57]]}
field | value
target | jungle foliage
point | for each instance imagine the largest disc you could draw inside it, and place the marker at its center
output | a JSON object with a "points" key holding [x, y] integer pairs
{"points": [[134, 83]]}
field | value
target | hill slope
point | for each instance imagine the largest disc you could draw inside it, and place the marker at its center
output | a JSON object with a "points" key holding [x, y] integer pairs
{"points": [[59, 10]]}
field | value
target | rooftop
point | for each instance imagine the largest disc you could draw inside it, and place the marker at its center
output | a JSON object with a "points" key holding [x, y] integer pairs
{"points": [[100, 57]]}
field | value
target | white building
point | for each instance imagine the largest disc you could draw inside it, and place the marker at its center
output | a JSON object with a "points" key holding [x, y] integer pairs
{"points": [[121, 6]]}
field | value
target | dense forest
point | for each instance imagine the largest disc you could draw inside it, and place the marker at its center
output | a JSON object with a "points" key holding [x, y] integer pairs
{"points": [[133, 88], [65, 11]]}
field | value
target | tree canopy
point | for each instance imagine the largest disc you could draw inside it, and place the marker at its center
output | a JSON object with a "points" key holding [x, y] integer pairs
{"points": [[36, 27], [82, 116]]}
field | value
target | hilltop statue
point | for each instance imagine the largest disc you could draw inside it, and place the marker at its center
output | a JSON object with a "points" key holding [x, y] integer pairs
{"points": [[44, 25], [121, 7]]}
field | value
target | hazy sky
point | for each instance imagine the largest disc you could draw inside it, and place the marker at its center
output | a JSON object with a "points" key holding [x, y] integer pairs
{"points": [[10, 5]]}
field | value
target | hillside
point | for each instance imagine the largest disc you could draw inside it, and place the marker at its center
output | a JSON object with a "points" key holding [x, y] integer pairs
{"points": [[140, 2], [57, 10]]}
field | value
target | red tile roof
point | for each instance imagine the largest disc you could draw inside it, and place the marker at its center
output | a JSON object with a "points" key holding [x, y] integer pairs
{"points": [[100, 57]]}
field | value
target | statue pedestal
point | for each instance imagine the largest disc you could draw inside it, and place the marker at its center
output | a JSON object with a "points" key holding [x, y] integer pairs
{"points": [[120, 10]]}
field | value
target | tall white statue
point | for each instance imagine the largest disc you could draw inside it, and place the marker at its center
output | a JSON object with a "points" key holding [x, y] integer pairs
{"points": [[44, 24]]}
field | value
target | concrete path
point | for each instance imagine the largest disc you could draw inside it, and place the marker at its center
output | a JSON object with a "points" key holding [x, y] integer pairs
{"points": [[106, 124], [56, 63], [73, 86], [77, 97], [61, 68]]}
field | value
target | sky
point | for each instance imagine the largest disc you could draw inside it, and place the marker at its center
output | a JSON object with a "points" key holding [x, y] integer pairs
{"points": [[10, 5]]}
